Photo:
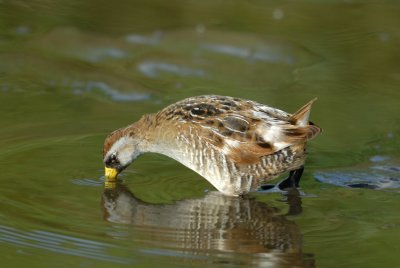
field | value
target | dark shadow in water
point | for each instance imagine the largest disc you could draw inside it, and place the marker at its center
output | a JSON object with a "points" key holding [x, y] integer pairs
{"points": [[293, 198], [222, 229]]}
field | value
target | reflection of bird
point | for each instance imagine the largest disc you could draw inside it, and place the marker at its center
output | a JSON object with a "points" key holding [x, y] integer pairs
{"points": [[237, 145], [216, 224]]}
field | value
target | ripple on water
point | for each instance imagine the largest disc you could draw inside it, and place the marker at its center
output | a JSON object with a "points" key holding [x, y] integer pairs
{"points": [[59, 243], [154, 68], [99, 54], [23, 30], [266, 53], [152, 40], [82, 87], [89, 182]]}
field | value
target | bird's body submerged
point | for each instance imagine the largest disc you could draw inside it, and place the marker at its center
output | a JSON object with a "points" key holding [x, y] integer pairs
{"points": [[237, 145]]}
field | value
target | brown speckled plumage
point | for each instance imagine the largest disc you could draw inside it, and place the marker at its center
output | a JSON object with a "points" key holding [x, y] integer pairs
{"points": [[237, 145]]}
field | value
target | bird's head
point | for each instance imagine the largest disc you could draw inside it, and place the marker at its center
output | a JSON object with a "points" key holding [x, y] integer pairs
{"points": [[120, 149]]}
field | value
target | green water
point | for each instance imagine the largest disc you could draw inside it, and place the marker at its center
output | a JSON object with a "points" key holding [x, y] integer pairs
{"points": [[73, 71]]}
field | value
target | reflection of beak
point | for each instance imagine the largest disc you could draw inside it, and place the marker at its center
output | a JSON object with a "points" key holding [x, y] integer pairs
{"points": [[110, 174], [110, 184]]}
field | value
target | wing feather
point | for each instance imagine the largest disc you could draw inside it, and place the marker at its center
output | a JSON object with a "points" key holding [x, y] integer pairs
{"points": [[245, 130]]}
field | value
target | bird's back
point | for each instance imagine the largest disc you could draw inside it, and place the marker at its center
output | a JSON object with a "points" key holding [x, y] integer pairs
{"points": [[236, 144]]}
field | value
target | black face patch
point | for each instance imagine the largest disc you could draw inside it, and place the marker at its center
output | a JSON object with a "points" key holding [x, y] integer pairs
{"points": [[112, 161]]}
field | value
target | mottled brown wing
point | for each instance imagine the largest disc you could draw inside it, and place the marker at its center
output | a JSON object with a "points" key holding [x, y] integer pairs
{"points": [[226, 123], [244, 130]]}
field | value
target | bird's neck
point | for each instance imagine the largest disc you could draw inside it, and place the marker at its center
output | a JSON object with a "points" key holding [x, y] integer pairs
{"points": [[159, 137], [150, 135]]}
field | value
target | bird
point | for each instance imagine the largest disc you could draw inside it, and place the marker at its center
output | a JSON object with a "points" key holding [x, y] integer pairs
{"points": [[237, 145]]}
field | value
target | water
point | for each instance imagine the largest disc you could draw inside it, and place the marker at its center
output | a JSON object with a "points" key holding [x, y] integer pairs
{"points": [[72, 71]]}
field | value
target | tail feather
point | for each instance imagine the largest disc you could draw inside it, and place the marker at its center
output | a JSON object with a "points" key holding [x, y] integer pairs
{"points": [[300, 118], [313, 131]]}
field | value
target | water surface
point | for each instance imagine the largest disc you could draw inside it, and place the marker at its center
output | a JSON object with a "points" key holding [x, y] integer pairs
{"points": [[72, 71]]}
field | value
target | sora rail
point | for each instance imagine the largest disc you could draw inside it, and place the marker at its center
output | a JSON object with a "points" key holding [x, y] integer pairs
{"points": [[237, 145]]}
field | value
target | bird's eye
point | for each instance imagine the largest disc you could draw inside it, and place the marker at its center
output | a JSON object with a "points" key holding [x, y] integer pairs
{"points": [[111, 160]]}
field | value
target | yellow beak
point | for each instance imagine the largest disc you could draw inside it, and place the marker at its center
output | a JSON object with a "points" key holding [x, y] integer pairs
{"points": [[110, 174]]}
